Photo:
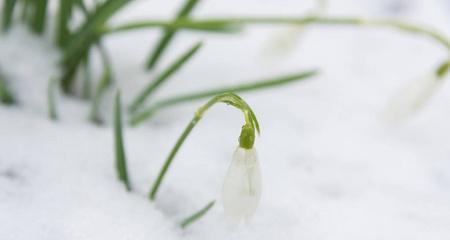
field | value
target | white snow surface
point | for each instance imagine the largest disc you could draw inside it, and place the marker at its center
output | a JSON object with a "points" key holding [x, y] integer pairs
{"points": [[331, 168]]}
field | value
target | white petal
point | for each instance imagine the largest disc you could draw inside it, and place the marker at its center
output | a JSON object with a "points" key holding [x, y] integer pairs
{"points": [[242, 186], [412, 98]]}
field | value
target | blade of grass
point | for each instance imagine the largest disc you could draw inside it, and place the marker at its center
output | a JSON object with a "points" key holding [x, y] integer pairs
{"points": [[6, 96], [121, 160], [62, 23], [26, 10], [240, 22], [169, 34], [246, 87], [39, 16], [51, 99], [87, 82], [165, 75], [8, 13], [83, 36], [103, 84], [215, 28], [197, 215]]}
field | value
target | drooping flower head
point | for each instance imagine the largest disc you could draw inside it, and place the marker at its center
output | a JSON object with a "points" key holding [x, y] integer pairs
{"points": [[415, 95], [242, 185]]}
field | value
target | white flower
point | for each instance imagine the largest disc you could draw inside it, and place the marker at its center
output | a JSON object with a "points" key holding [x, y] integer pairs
{"points": [[412, 98], [242, 186]]}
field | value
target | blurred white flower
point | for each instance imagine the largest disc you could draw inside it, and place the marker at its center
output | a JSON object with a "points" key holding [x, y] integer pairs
{"points": [[282, 43], [242, 186], [411, 98]]}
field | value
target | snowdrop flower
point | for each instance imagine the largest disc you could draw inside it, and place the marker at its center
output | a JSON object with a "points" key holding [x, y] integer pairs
{"points": [[415, 95], [283, 43], [242, 186]]}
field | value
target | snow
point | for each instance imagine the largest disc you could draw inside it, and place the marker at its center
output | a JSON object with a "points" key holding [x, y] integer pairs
{"points": [[331, 169]]}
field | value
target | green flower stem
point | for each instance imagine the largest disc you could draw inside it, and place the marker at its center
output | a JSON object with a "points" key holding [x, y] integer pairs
{"points": [[121, 160], [8, 13], [169, 34], [228, 98], [246, 87], [165, 75], [232, 23], [197, 215]]}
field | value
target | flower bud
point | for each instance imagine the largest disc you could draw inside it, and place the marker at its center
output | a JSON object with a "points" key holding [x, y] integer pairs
{"points": [[414, 96], [242, 186]]}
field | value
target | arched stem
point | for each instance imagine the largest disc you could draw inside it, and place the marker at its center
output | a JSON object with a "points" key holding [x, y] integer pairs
{"points": [[228, 98]]}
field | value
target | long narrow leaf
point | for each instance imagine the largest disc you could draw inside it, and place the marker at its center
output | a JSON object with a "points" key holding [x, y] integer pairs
{"points": [[6, 96], [246, 87], [169, 34], [103, 84], [8, 13], [62, 22], [39, 16], [84, 37], [121, 160], [197, 215], [173, 68]]}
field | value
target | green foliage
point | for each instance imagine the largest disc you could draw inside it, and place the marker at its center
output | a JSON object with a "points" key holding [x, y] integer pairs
{"points": [[165, 75], [240, 88], [39, 16], [8, 13], [169, 34], [197, 215], [62, 23], [84, 37], [6, 96], [121, 160]]}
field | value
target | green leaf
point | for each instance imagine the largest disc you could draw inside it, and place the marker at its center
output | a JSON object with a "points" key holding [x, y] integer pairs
{"points": [[197, 215], [39, 16], [6, 96], [102, 86], [82, 40], [240, 88], [62, 33], [121, 160], [169, 34], [165, 75], [8, 13]]}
